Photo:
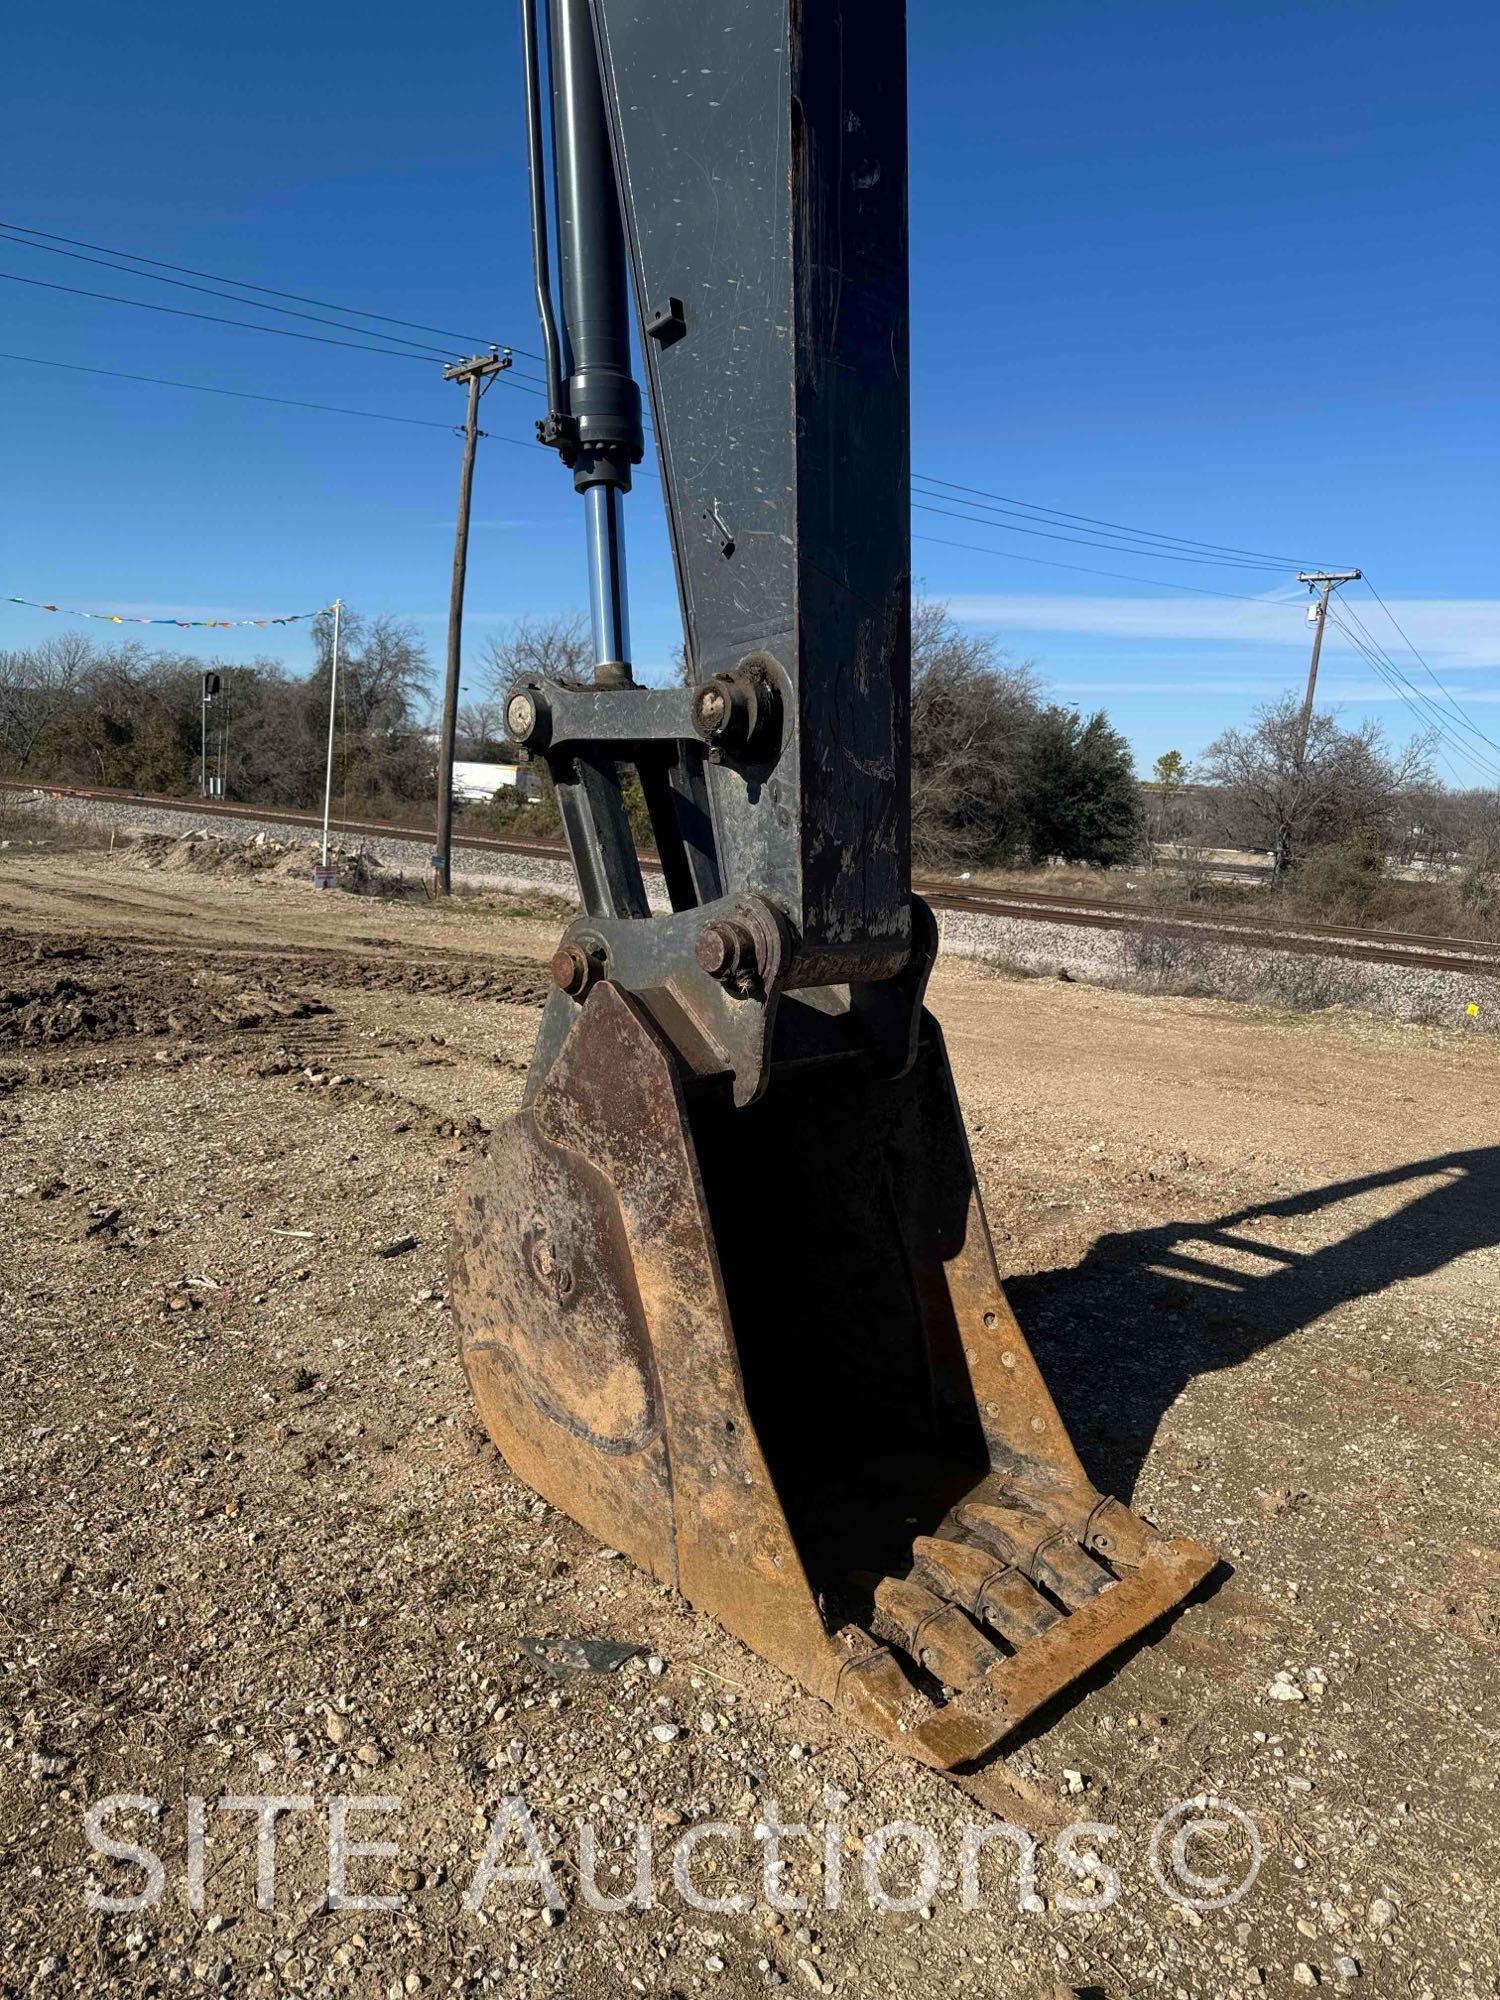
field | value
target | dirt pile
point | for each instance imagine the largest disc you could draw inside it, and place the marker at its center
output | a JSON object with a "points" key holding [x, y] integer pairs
{"points": [[54, 994], [205, 854], [280, 860]]}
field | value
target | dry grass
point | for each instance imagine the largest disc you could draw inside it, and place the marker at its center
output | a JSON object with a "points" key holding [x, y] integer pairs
{"points": [[57, 833], [1330, 889]]}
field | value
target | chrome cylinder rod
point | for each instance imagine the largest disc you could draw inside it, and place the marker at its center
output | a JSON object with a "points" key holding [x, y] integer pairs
{"points": [[608, 604]]}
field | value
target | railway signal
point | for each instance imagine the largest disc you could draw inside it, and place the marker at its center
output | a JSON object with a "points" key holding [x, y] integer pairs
{"points": [[211, 690]]}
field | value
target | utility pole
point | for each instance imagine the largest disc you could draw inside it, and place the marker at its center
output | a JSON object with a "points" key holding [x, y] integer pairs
{"points": [[478, 372], [1325, 581], [333, 696], [1329, 580]]}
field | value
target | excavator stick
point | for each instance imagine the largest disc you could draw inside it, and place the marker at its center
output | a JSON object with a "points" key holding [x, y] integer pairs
{"points": [[725, 1287]]}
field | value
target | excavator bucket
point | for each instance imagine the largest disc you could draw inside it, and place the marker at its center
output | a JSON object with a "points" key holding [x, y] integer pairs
{"points": [[724, 1284], [766, 1353]]}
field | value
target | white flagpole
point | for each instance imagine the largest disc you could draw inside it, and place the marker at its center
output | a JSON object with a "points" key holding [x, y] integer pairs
{"points": [[333, 686]]}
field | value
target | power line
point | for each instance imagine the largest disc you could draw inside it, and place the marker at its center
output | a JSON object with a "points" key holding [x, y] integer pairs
{"points": [[425, 349], [1032, 506], [1450, 698], [245, 285], [1372, 645], [984, 498], [1039, 521], [288, 402], [1120, 576], [1371, 657], [1443, 739], [990, 501], [245, 395], [217, 319], [524, 444], [642, 471], [1431, 715], [1115, 547], [984, 501], [1423, 707]]}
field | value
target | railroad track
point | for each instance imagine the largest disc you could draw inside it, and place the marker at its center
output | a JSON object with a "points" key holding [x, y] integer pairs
{"points": [[284, 816], [1374, 947], [1411, 948]]}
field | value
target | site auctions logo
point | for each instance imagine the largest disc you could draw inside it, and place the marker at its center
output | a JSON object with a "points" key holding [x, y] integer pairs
{"points": [[898, 1869], [1189, 1817]]}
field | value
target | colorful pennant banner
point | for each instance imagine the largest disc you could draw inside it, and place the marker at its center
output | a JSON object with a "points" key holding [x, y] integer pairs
{"points": [[119, 618]]}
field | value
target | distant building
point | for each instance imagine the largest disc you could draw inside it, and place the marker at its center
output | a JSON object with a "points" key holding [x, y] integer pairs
{"points": [[477, 784]]}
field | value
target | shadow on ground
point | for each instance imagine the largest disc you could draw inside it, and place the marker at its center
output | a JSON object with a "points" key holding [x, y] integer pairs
{"points": [[1120, 1334]]}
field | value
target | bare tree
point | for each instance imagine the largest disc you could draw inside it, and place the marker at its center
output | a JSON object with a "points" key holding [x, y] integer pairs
{"points": [[1349, 786], [384, 672], [971, 715], [38, 686], [559, 648], [1479, 881], [481, 730], [1456, 827], [116, 714], [1484, 828]]}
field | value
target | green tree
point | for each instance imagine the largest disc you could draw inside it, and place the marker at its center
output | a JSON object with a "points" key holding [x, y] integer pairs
{"points": [[1079, 794], [1169, 775]]}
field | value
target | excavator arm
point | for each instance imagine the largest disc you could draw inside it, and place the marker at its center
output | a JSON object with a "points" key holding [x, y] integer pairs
{"points": [[726, 1291]]}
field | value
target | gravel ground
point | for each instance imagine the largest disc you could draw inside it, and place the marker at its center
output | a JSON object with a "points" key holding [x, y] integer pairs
{"points": [[259, 1544], [1149, 958]]}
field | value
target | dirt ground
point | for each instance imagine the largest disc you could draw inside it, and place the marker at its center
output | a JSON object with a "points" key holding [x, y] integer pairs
{"points": [[257, 1543]]}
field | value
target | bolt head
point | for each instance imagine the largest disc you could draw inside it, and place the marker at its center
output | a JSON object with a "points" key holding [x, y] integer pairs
{"points": [[571, 969], [711, 711], [714, 949], [727, 951]]}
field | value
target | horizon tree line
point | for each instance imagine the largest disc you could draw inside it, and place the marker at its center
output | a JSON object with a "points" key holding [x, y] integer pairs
{"points": [[1002, 776]]}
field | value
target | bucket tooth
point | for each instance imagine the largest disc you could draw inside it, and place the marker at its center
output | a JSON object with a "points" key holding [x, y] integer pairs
{"points": [[1043, 1552], [1117, 1536], [935, 1633], [1066, 1569], [995, 1592]]}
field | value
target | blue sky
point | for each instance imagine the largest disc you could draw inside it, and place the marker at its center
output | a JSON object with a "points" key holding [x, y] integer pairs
{"points": [[1226, 272]]}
